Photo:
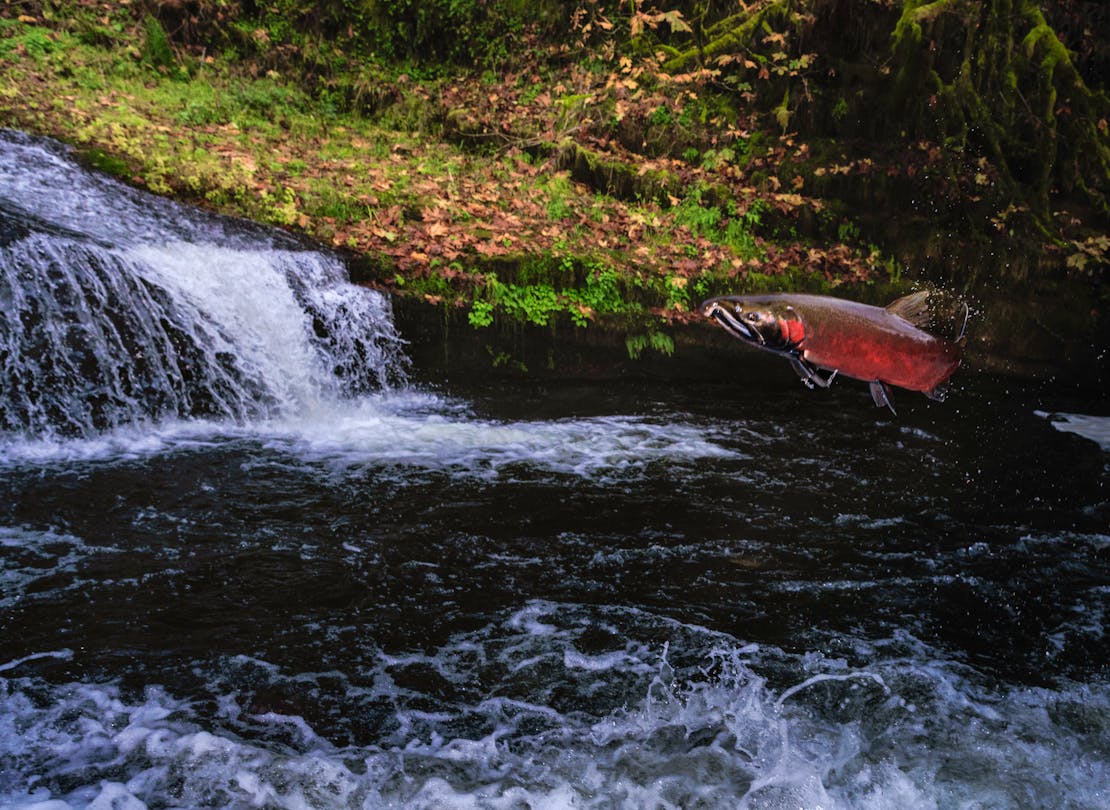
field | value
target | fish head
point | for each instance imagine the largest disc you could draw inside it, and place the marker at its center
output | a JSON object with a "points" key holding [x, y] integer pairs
{"points": [[767, 322]]}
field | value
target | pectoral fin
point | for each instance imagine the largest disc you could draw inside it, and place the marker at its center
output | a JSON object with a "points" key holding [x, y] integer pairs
{"points": [[809, 375], [881, 394]]}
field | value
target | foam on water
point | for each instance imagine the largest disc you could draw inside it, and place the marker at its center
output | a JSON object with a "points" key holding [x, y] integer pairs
{"points": [[572, 706], [28, 558], [402, 429]]}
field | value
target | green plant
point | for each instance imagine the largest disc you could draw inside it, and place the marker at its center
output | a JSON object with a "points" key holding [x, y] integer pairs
{"points": [[715, 158], [481, 313], [269, 98], [724, 228], [756, 209], [658, 341], [199, 112], [847, 231], [661, 116], [560, 191], [599, 295], [533, 303], [702, 220], [504, 359]]}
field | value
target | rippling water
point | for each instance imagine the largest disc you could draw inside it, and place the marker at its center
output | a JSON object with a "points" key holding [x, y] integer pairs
{"points": [[679, 603], [514, 595]]}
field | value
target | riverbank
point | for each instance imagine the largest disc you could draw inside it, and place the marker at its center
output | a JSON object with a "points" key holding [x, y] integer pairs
{"points": [[513, 192], [590, 197]]}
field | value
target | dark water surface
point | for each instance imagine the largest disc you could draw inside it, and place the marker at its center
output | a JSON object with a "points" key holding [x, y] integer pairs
{"points": [[581, 590], [563, 594]]}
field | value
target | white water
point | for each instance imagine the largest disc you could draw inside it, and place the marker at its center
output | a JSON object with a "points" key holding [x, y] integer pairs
{"points": [[123, 309], [706, 732], [405, 429]]}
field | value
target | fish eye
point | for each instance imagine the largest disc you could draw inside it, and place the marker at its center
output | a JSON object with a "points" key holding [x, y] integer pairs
{"points": [[753, 316], [737, 309]]}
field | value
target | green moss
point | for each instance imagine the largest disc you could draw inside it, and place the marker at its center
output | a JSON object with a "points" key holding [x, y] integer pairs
{"points": [[34, 41], [614, 178], [105, 162], [736, 33], [157, 50], [1004, 98]]}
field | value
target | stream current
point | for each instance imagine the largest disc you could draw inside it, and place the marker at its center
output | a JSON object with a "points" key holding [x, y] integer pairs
{"points": [[247, 561]]}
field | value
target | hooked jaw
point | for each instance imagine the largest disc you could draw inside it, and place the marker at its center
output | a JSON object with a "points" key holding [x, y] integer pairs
{"points": [[731, 324]]}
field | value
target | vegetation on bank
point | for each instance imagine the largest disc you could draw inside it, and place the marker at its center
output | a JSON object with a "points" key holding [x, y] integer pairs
{"points": [[555, 160]]}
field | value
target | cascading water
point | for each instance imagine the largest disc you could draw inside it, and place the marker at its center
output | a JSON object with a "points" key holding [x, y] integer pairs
{"points": [[120, 307]]}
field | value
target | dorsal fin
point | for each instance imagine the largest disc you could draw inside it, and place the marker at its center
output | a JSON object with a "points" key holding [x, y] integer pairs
{"points": [[913, 308]]}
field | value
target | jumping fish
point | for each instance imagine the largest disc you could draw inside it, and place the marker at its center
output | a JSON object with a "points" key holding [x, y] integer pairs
{"points": [[883, 346]]}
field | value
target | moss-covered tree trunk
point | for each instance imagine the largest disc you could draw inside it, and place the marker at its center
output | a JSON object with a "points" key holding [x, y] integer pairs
{"points": [[993, 77]]}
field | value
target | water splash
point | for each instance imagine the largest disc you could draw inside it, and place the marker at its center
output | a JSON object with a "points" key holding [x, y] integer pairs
{"points": [[564, 705]]}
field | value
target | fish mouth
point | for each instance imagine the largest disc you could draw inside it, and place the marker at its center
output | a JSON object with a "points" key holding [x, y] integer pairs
{"points": [[735, 327]]}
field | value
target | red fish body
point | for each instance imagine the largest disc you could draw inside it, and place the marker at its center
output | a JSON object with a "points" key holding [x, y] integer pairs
{"points": [[881, 346]]}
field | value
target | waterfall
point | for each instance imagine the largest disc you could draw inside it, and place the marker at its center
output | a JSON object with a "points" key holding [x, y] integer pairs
{"points": [[120, 307]]}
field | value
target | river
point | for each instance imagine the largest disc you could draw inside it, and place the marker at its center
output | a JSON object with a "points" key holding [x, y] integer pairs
{"points": [[251, 555]]}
